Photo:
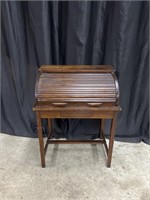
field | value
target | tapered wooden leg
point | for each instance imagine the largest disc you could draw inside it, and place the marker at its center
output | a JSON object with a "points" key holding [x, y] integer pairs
{"points": [[41, 142], [111, 140], [49, 128], [102, 128]]}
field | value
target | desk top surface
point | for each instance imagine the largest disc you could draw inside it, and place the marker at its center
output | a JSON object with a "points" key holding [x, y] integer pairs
{"points": [[76, 68]]}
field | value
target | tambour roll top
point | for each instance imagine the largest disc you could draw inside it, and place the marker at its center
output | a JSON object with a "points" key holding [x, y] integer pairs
{"points": [[76, 92], [77, 83]]}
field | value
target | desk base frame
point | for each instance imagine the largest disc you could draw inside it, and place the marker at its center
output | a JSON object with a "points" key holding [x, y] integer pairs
{"points": [[102, 140]]}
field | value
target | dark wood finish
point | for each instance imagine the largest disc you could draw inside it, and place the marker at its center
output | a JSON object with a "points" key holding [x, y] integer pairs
{"points": [[79, 87], [77, 91], [102, 127], [75, 115], [49, 128], [76, 68], [75, 141], [40, 135], [111, 139]]}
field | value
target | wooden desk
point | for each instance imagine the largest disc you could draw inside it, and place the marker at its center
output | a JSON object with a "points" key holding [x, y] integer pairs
{"points": [[77, 91]]}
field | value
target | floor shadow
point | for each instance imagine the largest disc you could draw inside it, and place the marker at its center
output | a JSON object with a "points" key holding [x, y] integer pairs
{"points": [[94, 153], [54, 155]]}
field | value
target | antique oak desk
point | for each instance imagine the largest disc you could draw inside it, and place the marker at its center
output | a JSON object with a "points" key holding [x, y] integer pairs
{"points": [[77, 91]]}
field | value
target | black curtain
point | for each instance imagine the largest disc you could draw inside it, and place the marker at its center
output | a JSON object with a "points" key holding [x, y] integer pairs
{"points": [[96, 32]]}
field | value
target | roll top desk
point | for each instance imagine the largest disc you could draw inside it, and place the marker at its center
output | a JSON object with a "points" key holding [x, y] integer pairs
{"points": [[77, 91]]}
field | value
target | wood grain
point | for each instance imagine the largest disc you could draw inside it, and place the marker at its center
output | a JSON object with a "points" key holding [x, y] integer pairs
{"points": [[76, 68], [77, 91], [76, 87]]}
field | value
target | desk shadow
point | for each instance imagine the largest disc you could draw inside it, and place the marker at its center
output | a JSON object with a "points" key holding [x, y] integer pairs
{"points": [[54, 155], [94, 153], [98, 154]]}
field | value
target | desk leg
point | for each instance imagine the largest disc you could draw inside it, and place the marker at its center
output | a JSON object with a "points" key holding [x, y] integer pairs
{"points": [[102, 128], [111, 140], [41, 142], [49, 128]]}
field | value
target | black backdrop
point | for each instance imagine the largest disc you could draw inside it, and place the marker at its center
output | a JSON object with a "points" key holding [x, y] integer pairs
{"points": [[35, 33]]}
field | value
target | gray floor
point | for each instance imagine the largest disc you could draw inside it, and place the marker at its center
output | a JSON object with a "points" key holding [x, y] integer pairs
{"points": [[74, 172]]}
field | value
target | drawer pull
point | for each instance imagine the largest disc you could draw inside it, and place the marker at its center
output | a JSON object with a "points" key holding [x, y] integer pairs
{"points": [[94, 104], [59, 104]]}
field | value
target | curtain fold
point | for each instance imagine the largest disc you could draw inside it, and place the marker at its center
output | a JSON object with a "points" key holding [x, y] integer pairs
{"points": [[82, 32]]}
